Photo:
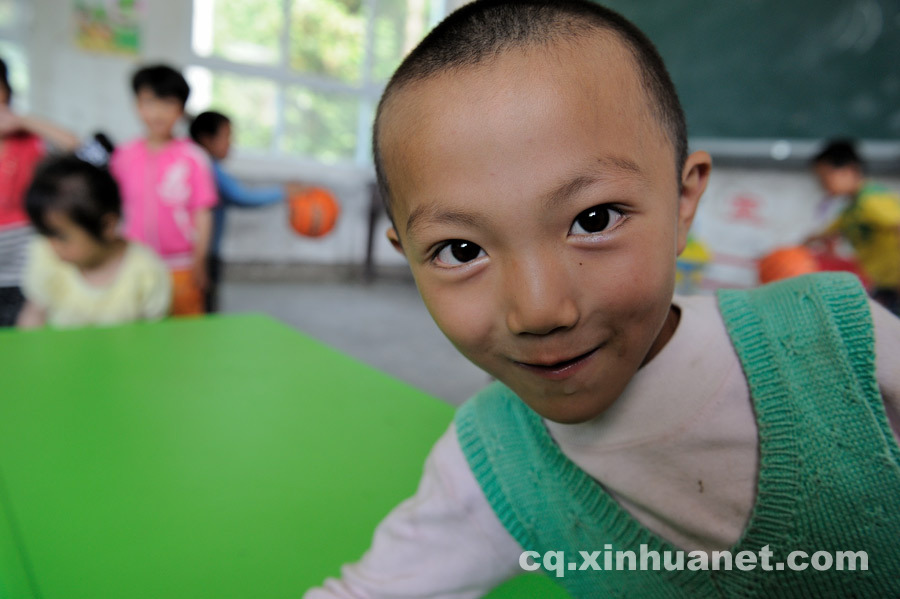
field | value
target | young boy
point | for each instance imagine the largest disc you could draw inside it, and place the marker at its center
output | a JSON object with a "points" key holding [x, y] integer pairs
{"points": [[533, 157], [870, 221], [212, 131], [167, 186]]}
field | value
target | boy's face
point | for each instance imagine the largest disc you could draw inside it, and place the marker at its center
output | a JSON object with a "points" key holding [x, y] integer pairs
{"points": [[536, 200], [219, 144], [159, 115], [839, 180]]}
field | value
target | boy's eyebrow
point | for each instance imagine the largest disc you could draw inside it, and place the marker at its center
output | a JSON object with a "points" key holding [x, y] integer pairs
{"points": [[610, 167], [434, 214]]}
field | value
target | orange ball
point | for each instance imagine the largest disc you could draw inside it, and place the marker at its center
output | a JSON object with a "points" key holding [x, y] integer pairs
{"points": [[787, 262], [313, 211]]}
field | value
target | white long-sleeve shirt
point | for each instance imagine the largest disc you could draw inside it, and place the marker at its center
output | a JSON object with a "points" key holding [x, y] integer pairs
{"points": [[678, 451]]}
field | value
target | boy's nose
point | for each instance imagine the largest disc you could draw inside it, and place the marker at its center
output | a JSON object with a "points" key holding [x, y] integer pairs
{"points": [[540, 298]]}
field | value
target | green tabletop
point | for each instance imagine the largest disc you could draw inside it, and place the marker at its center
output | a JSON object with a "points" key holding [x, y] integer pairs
{"points": [[201, 458]]}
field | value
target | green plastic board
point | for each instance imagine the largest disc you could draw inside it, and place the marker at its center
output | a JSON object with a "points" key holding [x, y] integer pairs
{"points": [[223, 457]]}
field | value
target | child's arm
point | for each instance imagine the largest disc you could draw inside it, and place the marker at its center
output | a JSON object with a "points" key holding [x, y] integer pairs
{"points": [[156, 295], [887, 350], [202, 236], [204, 197], [445, 542], [37, 285], [60, 138], [32, 316], [232, 192]]}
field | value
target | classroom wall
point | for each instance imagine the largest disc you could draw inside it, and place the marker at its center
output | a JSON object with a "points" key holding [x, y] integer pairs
{"points": [[746, 212]]}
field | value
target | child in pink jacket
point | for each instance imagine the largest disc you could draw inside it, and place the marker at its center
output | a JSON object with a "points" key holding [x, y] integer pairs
{"points": [[167, 186]]}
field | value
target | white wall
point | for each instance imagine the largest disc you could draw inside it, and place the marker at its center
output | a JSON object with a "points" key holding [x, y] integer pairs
{"points": [[745, 213]]}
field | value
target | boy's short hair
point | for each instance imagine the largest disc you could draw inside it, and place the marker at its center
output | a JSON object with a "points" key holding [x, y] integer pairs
{"points": [[839, 153], [484, 29], [163, 80], [83, 192], [207, 124]]}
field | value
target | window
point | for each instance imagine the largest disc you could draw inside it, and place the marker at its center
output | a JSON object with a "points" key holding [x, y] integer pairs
{"points": [[301, 78], [12, 50]]}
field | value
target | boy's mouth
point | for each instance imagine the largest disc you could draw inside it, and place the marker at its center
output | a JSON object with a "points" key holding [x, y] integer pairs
{"points": [[559, 369]]}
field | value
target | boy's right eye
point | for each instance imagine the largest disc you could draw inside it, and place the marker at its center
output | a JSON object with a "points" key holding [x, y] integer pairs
{"points": [[456, 252]]}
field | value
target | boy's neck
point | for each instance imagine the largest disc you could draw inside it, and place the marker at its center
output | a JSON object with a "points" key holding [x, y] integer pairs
{"points": [[157, 143], [104, 270], [665, 334]]}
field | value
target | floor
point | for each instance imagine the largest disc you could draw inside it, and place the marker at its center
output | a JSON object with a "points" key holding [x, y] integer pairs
{"points": [[383, 324]]}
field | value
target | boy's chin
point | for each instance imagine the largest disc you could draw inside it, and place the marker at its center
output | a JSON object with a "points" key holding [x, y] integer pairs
{"points": [[568, 410]]}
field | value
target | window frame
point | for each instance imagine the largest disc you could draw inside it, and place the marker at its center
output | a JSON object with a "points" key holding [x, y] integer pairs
{"points": [[366, 90]]}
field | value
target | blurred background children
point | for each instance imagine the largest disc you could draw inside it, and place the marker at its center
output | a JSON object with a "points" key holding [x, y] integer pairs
{"points": [[80, 271], [212, 131], [22, 145], [20, 151], [167, 186], [870, 221]]}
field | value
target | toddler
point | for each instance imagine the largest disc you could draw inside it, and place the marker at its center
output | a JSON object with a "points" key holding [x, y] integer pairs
{"points": [[80, 271]]}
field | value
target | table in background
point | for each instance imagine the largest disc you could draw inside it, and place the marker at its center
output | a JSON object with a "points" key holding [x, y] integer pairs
{"points": [[222, 457]]}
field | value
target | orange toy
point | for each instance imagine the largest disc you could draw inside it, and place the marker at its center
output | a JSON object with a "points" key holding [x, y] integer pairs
{"points": [[313, 211], [787, 262], [187, 299]]}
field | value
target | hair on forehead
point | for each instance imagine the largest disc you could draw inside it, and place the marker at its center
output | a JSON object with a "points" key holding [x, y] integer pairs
{"points": [[85, 193], [482, 30]]}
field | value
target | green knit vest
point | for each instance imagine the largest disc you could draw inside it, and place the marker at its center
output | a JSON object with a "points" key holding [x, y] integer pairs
{"points": [[829, 476]]}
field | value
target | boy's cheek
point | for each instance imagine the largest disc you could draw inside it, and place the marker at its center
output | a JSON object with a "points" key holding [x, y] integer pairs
{"points": [[464, 320]]}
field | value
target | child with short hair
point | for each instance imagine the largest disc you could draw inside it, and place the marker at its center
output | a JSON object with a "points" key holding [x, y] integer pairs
{"points": [[870, 221], [533, 158], [167, 185], [211, 130], [80, 270]]}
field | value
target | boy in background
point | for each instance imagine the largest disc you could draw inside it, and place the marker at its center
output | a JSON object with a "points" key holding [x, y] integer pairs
{"points": [[533, 158], [870, 221], [212, 131], [167, 186]]}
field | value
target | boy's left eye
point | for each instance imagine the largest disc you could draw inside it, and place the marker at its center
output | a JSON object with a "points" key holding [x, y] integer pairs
{"points": [[595, 220]]}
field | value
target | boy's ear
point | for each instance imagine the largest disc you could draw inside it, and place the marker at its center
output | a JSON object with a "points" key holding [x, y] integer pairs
{"points": [[694, 178], [394, 239]]}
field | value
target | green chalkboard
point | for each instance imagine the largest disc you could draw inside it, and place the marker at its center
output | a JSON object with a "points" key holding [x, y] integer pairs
{"points": [[801, 69]]}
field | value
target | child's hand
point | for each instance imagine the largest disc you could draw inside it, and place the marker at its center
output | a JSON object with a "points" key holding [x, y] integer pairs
{"points": [[10, 122], [199, 274], [31, 316], [293, 188]]}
